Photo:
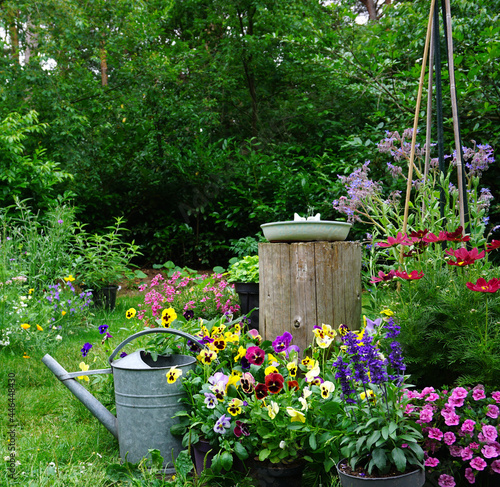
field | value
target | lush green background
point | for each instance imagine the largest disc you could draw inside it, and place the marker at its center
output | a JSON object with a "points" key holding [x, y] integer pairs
{"points": [[200, 120]]}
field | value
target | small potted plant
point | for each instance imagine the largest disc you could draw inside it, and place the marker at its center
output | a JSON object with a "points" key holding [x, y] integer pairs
{"points": [[244, 273], [103, 261], [380, 439]]}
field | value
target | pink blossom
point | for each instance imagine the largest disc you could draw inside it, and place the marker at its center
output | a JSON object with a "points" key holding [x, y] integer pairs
{"points": [[446, 481], [452, 419], [496, 396], [495, 466], [478, 463], [431, 462], [459, 393], [492, 411], [426, 415], [473, 445], [478, 394], [489, 432], [466, 453], [449, 438], [426, 390], [435, 434], [455, 450], [469, 475], [468, 426], [456, 402], [432, 397], [489, 451]]}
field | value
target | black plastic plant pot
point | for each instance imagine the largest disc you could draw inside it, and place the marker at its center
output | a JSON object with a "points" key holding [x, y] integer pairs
{"points": [[248, 293], [105, 297]]}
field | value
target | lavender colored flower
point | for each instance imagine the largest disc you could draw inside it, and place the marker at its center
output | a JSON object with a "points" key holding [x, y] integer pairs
{"points": [[210, 400], [344, 377], [281, 343], [393, 330], [222, 424], [102, 329]]}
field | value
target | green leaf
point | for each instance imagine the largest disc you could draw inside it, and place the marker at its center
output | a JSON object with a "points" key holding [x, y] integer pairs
{"points": [[399, 459], [240, 451], [373, 438], [177, 429], [312, 442], [380, 458], [360, 442], [226, 460], [392, 429], [385, 432], [263, 454]]}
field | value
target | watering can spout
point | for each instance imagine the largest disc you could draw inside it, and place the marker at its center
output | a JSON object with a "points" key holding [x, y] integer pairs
{"points": [[88, 400]]}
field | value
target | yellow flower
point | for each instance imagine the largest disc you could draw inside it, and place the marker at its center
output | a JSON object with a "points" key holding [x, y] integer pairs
{"points": [[219, 343], [206, 356], [70, 278], [83, 366], [63, 312], [173, 374], [231, 337], [234, 378], [39, 328], [313, 373], [167, 316], [271, 369], [273, 409], [303, 401], [272, 359], [387, 312], [292, 368], [25, 355], [204, 331], [369, 393], [324, 341], [237, 328], [343, 330], [31, 291], [308, 362], [306, 392], [234, 407], [25, 326], [241, 353], [297, 416], [326, 388], [130, 313]]}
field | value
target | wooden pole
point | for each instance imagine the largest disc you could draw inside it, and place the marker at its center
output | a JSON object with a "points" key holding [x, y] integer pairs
{"points": [[454, 111], [415, 125]]}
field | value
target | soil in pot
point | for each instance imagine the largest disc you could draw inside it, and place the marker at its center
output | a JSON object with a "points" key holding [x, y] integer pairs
{"points": [[279, 474]]}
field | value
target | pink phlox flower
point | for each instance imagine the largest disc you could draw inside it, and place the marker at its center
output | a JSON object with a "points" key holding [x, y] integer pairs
{"points": [[432, 397], [477, 463], [435, 434], [466, 453], [426, 390], [142, 287], [446, 480], [431, 462], [468, 426], [469, 475], [495, 466], [449, 438], [452, 419], [492, 411], [456, 402], [489, 432], [455, 450], [478, 394], [496, 396], [426, 415], [473, 445], [489, 451], [459, 392]]}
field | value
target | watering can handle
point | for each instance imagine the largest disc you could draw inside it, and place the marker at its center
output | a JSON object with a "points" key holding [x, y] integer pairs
{"points": [[153, 330]]}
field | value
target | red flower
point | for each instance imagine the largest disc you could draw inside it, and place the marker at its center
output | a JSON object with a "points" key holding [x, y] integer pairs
{"points": [[255, 355], [241, 429], [492, 286], [274, 383], [384, 277], [464, 256], [456, 236], [261, 391], [495, 244], [292, 384], [430, 237], [418, 235], [411, 276], [400, 239]]}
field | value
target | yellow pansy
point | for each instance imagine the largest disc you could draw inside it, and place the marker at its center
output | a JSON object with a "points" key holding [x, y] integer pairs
{"points": [[173, 374], [206, 356], [167, 316], [231, 337], [369, 393], [25, 326], [271, 369], [387, 312], [296, 416], [271, 358], [234, 378], [306, 392], [292, 368], [324, 341], [204, 331], [242, 351], [31, 291], [39, 328], [234, 407], [84, 367], [273, 409], [326, 388], [70, 278], [130, 313], [219, 343], [309, 362]]}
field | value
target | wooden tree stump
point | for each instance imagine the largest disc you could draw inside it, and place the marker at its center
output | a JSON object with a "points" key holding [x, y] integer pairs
{"points": [[306, 284]]}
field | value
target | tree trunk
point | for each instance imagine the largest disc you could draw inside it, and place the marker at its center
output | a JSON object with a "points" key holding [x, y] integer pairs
{"points": [[31, 41], [14, 37], [104, 65], [371, 8]]}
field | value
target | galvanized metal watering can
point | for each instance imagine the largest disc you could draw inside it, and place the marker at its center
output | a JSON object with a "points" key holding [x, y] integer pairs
{"points": [[145, 401]]}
